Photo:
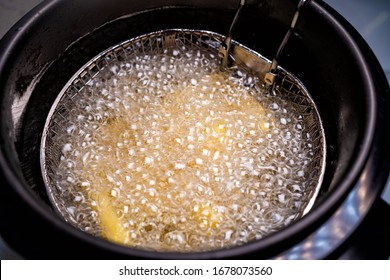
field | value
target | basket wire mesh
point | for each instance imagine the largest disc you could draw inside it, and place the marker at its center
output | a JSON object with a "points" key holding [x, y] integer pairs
{"points": [[287, 86]]}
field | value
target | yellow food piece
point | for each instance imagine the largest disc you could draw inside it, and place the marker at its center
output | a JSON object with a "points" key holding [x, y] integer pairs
{"points": [[207, 216], [111, 225]]}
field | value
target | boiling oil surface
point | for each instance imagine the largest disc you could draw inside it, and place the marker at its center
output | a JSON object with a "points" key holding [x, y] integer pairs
{"points": [[163, 151]]}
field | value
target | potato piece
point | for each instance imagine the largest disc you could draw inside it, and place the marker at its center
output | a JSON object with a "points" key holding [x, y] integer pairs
{"points": [[112, 226]]}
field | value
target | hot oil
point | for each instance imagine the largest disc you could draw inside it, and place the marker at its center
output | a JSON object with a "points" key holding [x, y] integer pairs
{"points": [[163, 151]]}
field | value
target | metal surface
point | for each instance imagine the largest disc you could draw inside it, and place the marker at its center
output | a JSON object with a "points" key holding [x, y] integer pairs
{"points": [[372, 20], [224, 49], [272, 73], [269, 77]]}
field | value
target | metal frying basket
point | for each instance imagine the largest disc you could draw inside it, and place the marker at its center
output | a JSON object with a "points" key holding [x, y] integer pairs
{"points": [[286, 86]]}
